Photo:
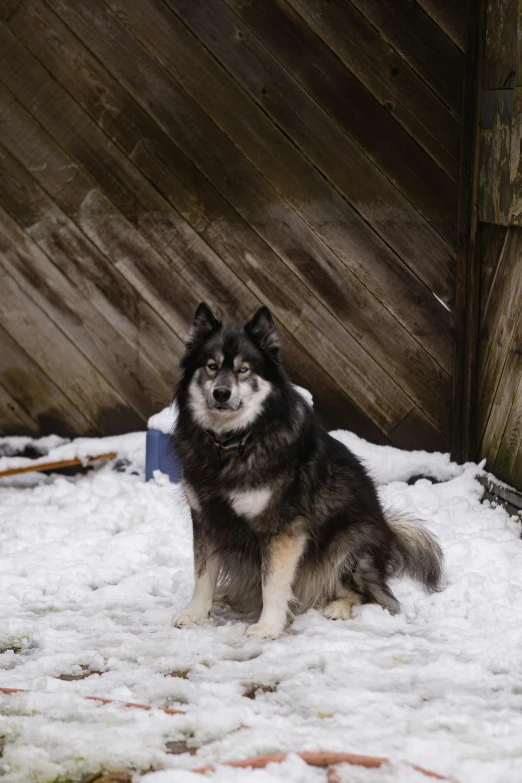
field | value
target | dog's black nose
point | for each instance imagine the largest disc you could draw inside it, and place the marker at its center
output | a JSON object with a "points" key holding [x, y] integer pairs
{"points": [[222, 393]]}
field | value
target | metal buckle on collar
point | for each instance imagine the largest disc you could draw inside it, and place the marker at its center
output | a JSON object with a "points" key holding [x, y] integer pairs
{"points": [[226, 446]]}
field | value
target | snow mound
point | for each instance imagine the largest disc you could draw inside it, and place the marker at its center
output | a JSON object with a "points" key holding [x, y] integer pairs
{"points": [[386, 463], [165, 420]]}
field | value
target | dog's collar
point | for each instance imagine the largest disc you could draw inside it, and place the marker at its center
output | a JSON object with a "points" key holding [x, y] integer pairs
{"points": [[233, 443]]}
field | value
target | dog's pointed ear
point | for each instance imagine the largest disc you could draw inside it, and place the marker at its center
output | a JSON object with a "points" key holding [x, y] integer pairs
{"points": [[203, 325], [263, 331]]}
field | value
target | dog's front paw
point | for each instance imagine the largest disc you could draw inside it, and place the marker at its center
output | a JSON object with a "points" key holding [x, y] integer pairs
{"points": [[263, 631], [187, 617]]}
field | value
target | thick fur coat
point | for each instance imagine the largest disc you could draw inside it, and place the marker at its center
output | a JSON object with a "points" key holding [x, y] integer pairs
{"points": [[284, 516]]}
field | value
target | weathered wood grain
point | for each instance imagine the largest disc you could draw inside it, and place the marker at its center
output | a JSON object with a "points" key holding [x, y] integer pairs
{"points": [[501, 312], [69, 185], [432, 378], [291, 239], [151, 345], [38, 394], [413, 432], [75, 184], [334, 407], [371, 127], [416, 35], [500, 355], [495, 157], [33, 390], [385, 74], [272, 153], [451, 16], [162, 152], [417, 420], [500, 60], [467, 290], [51, 349], [518, 68], [262, 207], [515, 205], [502, 280], [14, 420], [7, 7], [492, 241], [505, 409], [93, 335], [161, 236], [512, 435], [500, 186], [516, 474]]}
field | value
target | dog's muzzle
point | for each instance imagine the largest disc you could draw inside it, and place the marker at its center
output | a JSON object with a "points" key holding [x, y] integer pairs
{"points": [[221, 400]]}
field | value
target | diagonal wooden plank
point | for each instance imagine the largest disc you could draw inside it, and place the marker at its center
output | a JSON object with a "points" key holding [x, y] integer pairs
{"points": [[37, 393], [51, 349], [385, 74], [492, 243], [14, 420], [500, 360], [34, 390], [118, 234], [511, 440], [416, 36], [79, 197], [358, 309], [8, 7], [500, 349], [497, 329], [451, 16], [516, 474], [412, 433], [503, 429], [274, 72], [150, 344], [501, 278], [371, 194], [92, 335]]}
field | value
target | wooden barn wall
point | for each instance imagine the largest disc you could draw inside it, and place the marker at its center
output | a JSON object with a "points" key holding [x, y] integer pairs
{"points": [[499, 378], [499, 406], [303, 154]]}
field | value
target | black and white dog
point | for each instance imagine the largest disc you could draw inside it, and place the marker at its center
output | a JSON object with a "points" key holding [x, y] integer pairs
{"points": [[284, 516]]}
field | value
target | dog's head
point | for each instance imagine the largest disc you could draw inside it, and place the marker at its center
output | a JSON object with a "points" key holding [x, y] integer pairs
{"points": [[229, 372]]}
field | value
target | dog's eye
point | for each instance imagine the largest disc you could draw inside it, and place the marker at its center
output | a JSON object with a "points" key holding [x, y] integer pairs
{"points": [[212, 366], [244, 368]]}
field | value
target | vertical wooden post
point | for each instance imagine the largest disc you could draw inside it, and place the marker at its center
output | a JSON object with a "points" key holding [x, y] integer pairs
{"points": [[463, 445]]}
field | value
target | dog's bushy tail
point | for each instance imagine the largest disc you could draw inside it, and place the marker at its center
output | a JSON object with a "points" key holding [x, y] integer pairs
{"points": [[416, 552]]}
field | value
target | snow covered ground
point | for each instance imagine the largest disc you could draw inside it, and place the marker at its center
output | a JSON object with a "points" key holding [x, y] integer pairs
{"points": [[93, 567]]}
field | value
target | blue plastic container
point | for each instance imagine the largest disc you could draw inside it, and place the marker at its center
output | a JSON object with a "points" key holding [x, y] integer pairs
{"points": [[160, 454]]}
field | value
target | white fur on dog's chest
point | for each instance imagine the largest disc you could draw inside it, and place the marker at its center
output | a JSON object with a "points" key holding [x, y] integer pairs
{"points": [[250, 503]]}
